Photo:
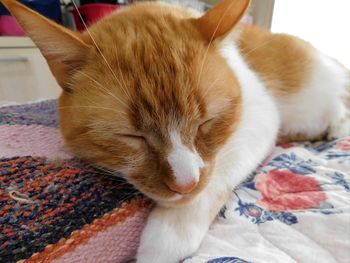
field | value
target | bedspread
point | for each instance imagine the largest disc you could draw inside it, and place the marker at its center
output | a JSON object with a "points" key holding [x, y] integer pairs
{"points": [[54, 208], [294, 208]]}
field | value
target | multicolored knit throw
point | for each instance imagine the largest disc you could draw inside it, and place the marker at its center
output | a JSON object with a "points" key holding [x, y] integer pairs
{"points": [[54, 208]]}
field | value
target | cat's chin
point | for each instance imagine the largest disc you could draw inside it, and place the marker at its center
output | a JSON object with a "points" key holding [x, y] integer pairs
{"points": [[177, 200]]}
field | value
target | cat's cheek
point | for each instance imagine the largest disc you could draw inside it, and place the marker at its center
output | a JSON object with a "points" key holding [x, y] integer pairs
{"points": [[149, 180]]}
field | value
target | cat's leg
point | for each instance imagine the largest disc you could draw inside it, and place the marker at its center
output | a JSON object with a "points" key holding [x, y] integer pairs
{"points": [[340, 128], [172, 234], [340, 125]]}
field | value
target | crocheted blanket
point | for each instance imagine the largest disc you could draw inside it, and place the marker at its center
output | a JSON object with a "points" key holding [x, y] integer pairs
{"points": [[55, 208]]}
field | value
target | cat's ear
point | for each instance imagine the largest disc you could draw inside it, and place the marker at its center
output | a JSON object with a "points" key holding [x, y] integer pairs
{"points": [[63, 49], [221, 19]]}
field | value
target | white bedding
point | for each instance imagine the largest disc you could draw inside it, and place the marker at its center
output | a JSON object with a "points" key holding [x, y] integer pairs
{"points": [[296, 208]]}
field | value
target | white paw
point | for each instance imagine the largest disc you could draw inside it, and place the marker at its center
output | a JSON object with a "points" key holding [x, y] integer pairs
{"points": [[339, 129], [169, 238]]}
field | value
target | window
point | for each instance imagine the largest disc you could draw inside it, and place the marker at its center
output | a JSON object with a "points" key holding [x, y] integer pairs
{"points": [[324, 23]]}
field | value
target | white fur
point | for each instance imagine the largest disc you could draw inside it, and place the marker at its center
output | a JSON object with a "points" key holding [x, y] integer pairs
{"points": [[320, 104], [186, 164], [260, 119], [179, 231]]}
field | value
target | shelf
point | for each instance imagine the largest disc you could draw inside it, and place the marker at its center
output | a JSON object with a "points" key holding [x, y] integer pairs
{"points": [[16, 42]]}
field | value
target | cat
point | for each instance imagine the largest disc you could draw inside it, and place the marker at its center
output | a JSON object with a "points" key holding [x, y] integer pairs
{"points": [[185, 105]]}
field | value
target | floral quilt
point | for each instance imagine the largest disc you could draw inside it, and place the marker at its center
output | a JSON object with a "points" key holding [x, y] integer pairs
{"points": [[294, 208]]}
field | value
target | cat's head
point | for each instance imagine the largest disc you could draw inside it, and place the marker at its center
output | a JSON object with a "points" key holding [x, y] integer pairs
{"points": [[146, 92]]}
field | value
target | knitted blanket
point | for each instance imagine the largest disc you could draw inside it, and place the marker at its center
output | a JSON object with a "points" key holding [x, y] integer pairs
{"points": [[54, 208]]}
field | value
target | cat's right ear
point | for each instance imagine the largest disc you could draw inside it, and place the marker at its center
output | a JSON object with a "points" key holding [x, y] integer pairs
{"points": [[222, 18], [63, 49]]}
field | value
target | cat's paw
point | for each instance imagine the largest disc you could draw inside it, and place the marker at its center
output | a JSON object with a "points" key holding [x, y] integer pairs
{"points": [[339, 129], [169, 239]]}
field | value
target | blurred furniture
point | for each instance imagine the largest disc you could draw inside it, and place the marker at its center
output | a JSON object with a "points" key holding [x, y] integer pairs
{"points": [[24, 74]]}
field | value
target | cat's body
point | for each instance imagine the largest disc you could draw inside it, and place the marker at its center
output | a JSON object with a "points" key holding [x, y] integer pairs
{"points": [[185, 109], [310, 89]]}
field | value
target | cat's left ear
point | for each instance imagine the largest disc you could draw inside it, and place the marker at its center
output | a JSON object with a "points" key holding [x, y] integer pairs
{"points": [[222, 18], [63, 49]]}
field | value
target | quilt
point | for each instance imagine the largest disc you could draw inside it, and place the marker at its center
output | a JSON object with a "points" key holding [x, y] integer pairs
{"points": [[294, 208]]}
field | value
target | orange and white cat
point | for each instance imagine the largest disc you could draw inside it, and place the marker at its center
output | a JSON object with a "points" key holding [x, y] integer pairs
{"points": [[185, 105]]}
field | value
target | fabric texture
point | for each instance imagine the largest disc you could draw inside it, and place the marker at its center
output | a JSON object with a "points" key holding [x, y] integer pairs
{"points": [[54, 208], [294, 208]]}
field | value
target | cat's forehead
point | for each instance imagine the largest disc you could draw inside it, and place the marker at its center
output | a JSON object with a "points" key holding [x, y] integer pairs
{"points": [[156, 56], [161, 67], [167, 108], [149, 25]]}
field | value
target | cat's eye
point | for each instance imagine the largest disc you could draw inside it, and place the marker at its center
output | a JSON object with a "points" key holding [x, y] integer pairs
{"points": [[131, 139], [205, 126], [132, 136]]}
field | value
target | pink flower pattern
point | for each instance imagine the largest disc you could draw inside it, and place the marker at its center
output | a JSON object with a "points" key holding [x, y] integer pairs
{"points": [[344, 145], [283, 190]]}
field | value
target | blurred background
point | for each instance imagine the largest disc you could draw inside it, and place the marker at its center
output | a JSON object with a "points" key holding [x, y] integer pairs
{"points": [[24, 75]]}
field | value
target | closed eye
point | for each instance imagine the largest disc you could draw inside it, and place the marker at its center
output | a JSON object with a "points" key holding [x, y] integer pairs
{"points": [[205, 126], [131, 139], [132, 136]]}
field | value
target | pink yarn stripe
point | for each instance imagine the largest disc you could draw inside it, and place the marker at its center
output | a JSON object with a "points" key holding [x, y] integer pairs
{"points": [[34, 140], [116, 244]]}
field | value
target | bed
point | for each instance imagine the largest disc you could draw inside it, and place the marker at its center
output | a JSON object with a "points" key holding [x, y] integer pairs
{"points": [[55, 208]]}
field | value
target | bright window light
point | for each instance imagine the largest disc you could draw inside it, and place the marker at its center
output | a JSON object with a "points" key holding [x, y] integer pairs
{"points": [[324, 23]]}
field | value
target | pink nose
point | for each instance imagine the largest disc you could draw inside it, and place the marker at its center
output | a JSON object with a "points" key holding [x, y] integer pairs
{"points": [[182, 188]]}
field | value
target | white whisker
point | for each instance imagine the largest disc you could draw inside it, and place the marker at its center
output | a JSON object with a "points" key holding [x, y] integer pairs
{"points": [[256, 48], [210, 87], [103, 88], [99, 50], [211, 41], [92, 107]]}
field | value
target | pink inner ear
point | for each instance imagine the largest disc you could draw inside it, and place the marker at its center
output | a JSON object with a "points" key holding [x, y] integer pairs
{"points": [[222, 18]]}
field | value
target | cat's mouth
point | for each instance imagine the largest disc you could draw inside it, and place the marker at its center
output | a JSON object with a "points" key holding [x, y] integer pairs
{"points": [[169, 200], [177, 199], [173, 200], [164, 194]]}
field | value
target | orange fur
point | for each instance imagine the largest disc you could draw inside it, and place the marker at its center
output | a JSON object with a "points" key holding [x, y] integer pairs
{"points": [[154, 71], [284, 62]]}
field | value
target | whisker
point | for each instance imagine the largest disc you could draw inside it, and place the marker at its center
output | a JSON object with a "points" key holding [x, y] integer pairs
{"points": [[99, 50], [128, 197], [102, 87], [211, 41], [111, 172], [120, 71], [92, 107], [256, 48], [210, 87]]}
